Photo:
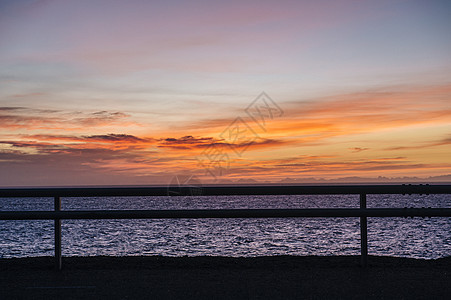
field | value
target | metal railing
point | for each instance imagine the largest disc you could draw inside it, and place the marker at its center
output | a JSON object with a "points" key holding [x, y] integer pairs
{"points": [[363, 212]]}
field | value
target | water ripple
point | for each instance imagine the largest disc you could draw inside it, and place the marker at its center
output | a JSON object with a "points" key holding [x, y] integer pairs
{"points": [[417, 237]]}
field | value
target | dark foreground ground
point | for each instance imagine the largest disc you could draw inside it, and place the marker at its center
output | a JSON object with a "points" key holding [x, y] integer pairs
{"points": [[282, 277]]}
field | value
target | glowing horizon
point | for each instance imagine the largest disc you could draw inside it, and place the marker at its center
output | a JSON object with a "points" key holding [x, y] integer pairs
{"points": [[136, 93]]}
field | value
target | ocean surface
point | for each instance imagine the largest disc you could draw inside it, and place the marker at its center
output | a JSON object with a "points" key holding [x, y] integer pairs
{"points": [[403, 237]]}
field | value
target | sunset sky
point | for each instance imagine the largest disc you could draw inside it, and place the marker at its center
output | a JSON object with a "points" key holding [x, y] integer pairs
{"points": [[136, 92]]}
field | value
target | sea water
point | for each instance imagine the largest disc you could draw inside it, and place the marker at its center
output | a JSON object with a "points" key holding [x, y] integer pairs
{"points": [[403, 237]]}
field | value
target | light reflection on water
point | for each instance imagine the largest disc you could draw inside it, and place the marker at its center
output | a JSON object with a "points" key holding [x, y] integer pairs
{"points": [[417, 237]]}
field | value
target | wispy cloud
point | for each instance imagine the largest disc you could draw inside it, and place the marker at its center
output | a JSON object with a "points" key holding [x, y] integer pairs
{"points": [[190, 142], [14, 118], [442, 142], [358, 149], [329, 168]]}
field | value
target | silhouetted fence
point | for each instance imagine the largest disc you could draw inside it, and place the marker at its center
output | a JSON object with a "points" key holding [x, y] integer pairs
{"points": [[363, 212]]}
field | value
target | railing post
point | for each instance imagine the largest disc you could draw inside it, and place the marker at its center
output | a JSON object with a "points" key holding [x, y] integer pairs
{"points": [[58, 260], [363, 233]]}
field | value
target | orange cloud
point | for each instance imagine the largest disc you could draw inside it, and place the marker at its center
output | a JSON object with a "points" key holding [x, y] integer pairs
{"points": [[354, 113]]}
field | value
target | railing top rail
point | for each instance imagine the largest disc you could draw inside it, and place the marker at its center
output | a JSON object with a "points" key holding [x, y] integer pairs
{"points": [[228, 190]]}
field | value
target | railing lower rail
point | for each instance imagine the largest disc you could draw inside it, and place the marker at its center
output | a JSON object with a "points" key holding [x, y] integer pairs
{"points": [[226, 213]]}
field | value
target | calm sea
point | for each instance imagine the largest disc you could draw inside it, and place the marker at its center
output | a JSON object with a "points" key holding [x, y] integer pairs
{"points": [[406, 237]]}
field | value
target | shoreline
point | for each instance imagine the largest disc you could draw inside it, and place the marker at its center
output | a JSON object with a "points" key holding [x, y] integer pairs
{"points": [[206, 277], [136, 261]]}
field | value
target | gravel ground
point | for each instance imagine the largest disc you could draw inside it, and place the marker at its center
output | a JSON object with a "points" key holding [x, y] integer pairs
{"points": [[279, 277]]}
